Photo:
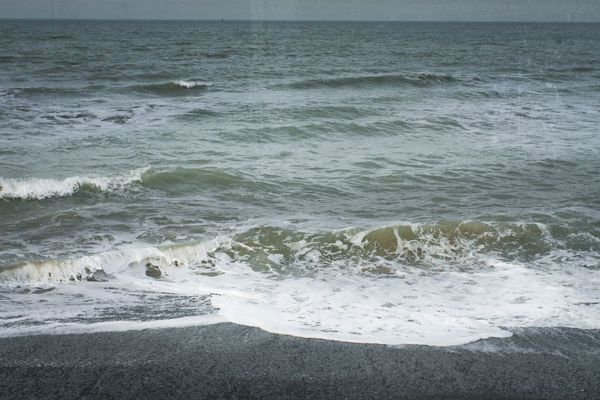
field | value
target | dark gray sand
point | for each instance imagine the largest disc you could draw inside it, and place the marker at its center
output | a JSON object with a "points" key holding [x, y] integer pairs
{"points": [[238, 362]]}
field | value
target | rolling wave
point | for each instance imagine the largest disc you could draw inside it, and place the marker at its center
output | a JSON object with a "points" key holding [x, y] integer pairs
{"points": [[48, 91], [384, 251], [167, 180], [174, 88], [39, 188], [438, 284], [374, 80]]}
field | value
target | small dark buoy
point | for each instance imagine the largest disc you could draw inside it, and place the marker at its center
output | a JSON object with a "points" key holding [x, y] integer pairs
{"points": [[221, 19]]}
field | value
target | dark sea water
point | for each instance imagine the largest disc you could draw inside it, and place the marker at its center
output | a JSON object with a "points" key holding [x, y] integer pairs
{"points": [[397, 183]]}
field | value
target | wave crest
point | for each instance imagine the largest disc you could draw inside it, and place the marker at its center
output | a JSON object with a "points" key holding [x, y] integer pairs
{"points": [[384, 251], [39, 188], [174, 88]]}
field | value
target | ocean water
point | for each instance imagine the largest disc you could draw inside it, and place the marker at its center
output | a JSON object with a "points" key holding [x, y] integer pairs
{"points": [[430, 183]]}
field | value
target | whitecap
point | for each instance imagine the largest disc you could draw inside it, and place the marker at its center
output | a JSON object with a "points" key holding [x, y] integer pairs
{"points": [[41, 188], [189, 84]]}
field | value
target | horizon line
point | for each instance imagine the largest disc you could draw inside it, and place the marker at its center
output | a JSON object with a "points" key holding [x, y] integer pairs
{"points": [[292, 20]]}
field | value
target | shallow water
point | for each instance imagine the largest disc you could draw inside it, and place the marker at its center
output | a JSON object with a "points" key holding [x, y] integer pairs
{"points": [[372, 182]]}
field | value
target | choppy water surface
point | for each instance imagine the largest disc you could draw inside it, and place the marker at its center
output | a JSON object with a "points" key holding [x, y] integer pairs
{"points": [[370, 182]]}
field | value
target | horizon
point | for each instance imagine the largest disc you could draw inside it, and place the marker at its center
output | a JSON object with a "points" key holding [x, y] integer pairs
{"points": [[306, 10], [224, 20]]}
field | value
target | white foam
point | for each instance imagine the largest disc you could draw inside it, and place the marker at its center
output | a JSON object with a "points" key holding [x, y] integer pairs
{"points": [[412, 305], [446, 308], [39, 188], [189, 84], [441, 308], [126, 261]]}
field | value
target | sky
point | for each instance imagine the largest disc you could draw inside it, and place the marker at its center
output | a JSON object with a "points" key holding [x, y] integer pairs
{"points": [[403, 10]]}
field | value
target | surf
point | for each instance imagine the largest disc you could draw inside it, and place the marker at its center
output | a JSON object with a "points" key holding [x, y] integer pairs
{"points": [[44, 188]]}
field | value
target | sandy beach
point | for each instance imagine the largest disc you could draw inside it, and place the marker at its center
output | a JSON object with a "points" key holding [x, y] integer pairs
{"points": [[237, 362]]}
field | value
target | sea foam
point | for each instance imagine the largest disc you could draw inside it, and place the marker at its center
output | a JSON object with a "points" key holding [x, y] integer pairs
{"points": [[352, 285], [41, 188], [189, 84]]}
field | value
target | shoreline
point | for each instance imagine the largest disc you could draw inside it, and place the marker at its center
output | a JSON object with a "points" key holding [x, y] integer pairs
{"points": [[231, 361]]}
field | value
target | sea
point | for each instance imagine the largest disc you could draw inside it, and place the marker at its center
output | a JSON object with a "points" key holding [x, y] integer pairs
{"points": [[373, 182]]}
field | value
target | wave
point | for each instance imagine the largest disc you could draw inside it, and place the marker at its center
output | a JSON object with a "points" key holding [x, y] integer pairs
{"points": [[442, 246], [197, 176], [170, 181], [39, 188], [189, 84], [181, 179], [338, 112], [436, 284], [198, 114], [48, 91], [174, 88], [150, 261], [418, 80], [383, 251]]}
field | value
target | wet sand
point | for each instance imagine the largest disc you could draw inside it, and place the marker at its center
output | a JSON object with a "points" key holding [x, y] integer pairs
{"points": [[237, 362]]}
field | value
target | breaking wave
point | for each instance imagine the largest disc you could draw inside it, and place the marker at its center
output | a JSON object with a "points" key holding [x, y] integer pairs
{"points": [[168, 180], [440, 284], [39, 188], [386, 251], [174, 88]]}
